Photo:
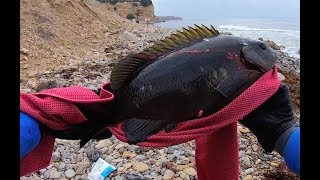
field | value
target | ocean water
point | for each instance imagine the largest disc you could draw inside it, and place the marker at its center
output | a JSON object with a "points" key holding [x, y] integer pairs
{"points": [[285, 32]]}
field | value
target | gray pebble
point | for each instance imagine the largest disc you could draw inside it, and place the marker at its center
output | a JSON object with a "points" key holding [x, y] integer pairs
{"points": [[241, 153], [140, 157], [176, 153], [188, 152], [93, 154], [149, 177], [152, 161], [52, 174], [170, 157], [56, 156], [183, 160], [77, 177], [242, 146], [132, 148], [132, 175], [171, 149], [245, 162], [65, 153], [122, 149], [249, 171], [62, 166], [69, 166], [81, 167]]}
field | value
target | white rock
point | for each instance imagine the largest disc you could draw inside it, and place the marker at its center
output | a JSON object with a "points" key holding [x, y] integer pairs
{"points": [[281, 76], [52, 174], [245, 162], [140, 166], [190, 171], [168, 174], [184, 160], [62, 166], [104, 143], [56, 156], [70, 173], [120, 146], [249, 171]]}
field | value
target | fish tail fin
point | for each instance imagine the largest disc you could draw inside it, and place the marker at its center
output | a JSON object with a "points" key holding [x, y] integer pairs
{"points": [[104, 133], [99, 117]]}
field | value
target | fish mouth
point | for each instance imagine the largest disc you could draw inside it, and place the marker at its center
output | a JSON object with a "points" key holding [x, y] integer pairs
{"points": [[249, 64]]}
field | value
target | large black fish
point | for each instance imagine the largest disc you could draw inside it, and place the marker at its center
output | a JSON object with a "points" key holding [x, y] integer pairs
{"points": [[194, 72]]}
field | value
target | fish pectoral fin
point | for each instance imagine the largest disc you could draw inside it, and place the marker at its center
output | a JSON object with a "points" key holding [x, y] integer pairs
{"points": [[228, 86], [137, 130]]}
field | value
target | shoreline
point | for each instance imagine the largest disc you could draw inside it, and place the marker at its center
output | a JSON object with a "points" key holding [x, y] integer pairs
{"points": [[277, 32], [161, 19]]}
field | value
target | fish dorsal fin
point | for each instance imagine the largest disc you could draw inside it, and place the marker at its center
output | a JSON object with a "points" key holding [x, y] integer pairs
{"points": [[124, 69], [128, 66]]}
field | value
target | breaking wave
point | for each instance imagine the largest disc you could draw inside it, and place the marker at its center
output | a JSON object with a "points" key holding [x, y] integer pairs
{"points": [[289, 39], [283, 32], [245, 28]]}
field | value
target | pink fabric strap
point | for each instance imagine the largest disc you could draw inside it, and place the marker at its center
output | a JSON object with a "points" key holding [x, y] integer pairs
{"points": [[215, 135]]}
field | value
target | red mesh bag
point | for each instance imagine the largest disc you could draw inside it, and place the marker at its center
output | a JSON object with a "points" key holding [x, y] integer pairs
{"points": [[215, 135], [56, 109]]}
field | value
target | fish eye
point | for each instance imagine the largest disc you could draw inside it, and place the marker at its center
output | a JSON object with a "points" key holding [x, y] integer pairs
{"points": [[263, 46]]}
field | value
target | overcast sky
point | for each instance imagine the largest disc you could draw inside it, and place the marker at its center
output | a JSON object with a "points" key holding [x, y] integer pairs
{"points": [[206, 9]]}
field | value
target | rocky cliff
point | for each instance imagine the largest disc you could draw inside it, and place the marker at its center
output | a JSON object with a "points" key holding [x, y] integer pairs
{"points": [[141, 13], [55, 33]]}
